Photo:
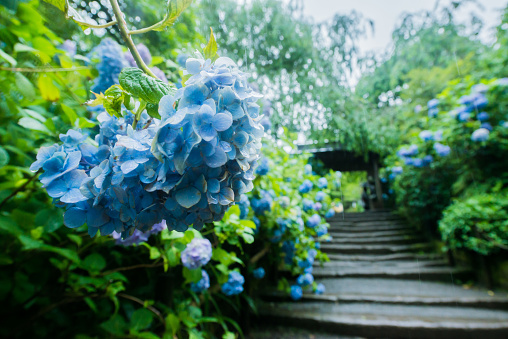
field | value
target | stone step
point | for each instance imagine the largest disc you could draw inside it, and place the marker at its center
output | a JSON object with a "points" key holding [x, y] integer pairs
{"points": [[415, 272], [392, 288], [372, 249], [483, 302], [369, 229], [399, 239], [409, 256], [367, 223], [373, 320], [395, 233], [378, 264]]}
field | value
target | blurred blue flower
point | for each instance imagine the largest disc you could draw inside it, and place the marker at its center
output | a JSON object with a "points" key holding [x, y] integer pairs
{"points": [[201, 285], [481, 134], [296, 292], [234, 285], [259, 273], [197, 253]]}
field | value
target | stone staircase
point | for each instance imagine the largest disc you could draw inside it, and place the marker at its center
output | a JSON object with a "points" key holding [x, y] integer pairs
{"points": [[384, 281]]}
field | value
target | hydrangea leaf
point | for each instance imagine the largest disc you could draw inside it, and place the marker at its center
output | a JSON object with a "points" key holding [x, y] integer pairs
{"points": [[4, 157], [210, 50], [143, 86], [173, 11]]}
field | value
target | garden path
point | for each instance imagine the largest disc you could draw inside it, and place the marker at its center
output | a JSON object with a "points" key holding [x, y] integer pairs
{"points": [[384, 281]]}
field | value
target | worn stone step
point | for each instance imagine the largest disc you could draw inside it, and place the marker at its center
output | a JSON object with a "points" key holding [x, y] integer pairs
{"points": [[398, 239], [373, 320], [376, 234], [368, 222], [415, 272], [372, 249], [378, 264], [483, 302], [406, 288], [369, 229], [409, 256]]}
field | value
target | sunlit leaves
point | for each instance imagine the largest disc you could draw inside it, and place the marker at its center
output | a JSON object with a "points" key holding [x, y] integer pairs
{"points": [[143, 86], [210, 51], [173, 11], [48, 89]]}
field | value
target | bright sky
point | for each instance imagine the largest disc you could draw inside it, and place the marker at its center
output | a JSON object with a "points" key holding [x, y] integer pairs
{"points": [[386, 13]]}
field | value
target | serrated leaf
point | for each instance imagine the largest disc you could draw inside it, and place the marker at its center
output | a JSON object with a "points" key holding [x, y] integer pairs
{"points": [[210, 50], [113, 99], [173, 11], [143, 86]]}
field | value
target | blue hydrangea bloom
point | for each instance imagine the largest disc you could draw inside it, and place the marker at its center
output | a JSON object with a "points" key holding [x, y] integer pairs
{"points": [[296, 292], [463, 116], [234, 285], [486, 125], [284, 202], [433, 103], [483, 116], [320, 289], [418, 108], [427, 160], [264, 167], [201, 285], [181, 59], [110, 65], [186, 168], [197, 253], [313, 221], [321, 230], [320, 196], [137, 236], [305, 187], [308, 169], [262, 204], [441, 150], [330, 213], [481, 134], [318, 206], [397, 170], [244, 205], [322, 183], [69, 46], [259, 273], [307, 204], [408, 152], [426, 135], [266, 123], [305, 279]]}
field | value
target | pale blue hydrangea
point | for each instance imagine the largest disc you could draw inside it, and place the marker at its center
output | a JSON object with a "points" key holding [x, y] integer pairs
{"points": [[203, 284], [296, 292], [441, 150], [313, 221], [197, 253], [320, 289], [322, 183], [481, 134], [306, 186], [259, 273], [305, 279]]}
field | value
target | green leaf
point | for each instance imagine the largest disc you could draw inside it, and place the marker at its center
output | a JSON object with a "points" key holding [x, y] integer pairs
{"points": [[116, 325], [210, 51], [85, 123], [153, 110], [94, 262], [8, 225], [69, 113], [47, 88], [25, 86], [60, 4], [4, 157], [51, 219], [31, 123], [75, 239], [141, 319], [194, 275], [143, 86], [154, 253], [172, 255], [172, 324], [8, 58], [113, 99], [174, 9], [32, 244]]}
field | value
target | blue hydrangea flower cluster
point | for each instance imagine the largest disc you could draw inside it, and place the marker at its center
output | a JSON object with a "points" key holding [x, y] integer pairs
{"points": [[305, 279], [314, 220], [138, 237], [318, 206], [320, 289], [308, 169], [259, 273], [186, 168], [322, 229], [408, 152], [263, 203], [481, 134], [322, 183], [307, 204], [244, 205], [111, 63], [234, 285], [441, 150], [197, 253], [69, 46], [306, 186], [432, 108], [296, 292], [264, 167], [426, 135], [320, 196], [201, 285], [330, 213]]}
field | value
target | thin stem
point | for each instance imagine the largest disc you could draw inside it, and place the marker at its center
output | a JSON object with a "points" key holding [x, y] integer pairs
{"points": [[124, 32], [146, 29], [107, 24], [43, 70], [260, 254], [128, 268], [20, 188]]}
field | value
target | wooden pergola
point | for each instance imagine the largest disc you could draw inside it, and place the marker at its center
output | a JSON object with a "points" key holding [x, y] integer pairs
{"points": [[338, 159]]}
